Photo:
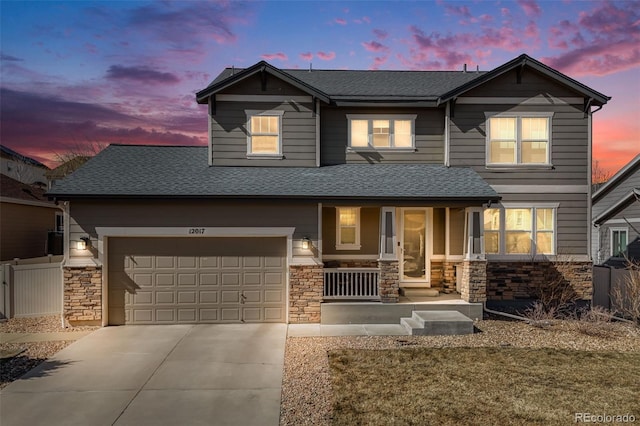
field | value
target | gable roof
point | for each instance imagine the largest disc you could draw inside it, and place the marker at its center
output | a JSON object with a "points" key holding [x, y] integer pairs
{"points": [[622, 203], [522, 61], [11, 188], [423, 88], [67, 167], [131, 171], [629, 168], [7, 152]]}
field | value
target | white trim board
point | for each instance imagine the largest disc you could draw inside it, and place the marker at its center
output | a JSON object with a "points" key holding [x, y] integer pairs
{"points": [[541, 189], [29, 202]]}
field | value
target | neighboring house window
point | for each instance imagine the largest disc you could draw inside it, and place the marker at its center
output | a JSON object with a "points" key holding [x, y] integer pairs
{"points": [[264, 133], [348, 228], [381, 132], [521, 230], [619, 238], [59, 222], [519, 139]]}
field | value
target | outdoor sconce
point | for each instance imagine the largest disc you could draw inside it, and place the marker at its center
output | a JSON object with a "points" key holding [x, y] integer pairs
{"points": [[306, 243], [83, 243]]}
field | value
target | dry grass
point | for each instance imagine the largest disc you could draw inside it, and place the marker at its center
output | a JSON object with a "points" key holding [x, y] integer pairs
{"points": [[454, 386]]}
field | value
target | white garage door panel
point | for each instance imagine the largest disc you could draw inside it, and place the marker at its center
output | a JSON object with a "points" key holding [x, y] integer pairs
{"points": [[210, 280]]}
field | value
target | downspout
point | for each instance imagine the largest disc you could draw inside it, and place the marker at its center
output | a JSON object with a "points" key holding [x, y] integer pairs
{"points": [[589, 188], [504, 314], [447, 142], [317, 105], [65, 257]]}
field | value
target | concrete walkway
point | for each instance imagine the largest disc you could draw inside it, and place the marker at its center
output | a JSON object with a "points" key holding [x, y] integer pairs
{"points": [[156, 375], [327, 330]]}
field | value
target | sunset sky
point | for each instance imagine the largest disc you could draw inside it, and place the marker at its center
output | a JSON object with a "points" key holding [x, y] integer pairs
{"points": [[126, 71]]}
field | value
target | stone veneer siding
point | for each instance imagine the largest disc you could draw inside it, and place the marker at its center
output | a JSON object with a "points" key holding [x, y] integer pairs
{"points": [[443, 276], [83, 295], [524, 280], [306, 288], [389, 282], [474, 281]]}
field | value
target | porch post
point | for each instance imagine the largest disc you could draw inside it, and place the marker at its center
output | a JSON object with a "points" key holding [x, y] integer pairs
{"points": [[388, 283], [473, 287]]}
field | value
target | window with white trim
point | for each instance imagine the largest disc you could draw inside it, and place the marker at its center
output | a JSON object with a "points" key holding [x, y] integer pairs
{"points": [[348, 228], [264, 133], [520, 230], [519, 139], [619, 238], [381, 131]]}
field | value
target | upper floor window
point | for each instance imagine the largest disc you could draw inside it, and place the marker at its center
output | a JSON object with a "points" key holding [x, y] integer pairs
{"points": [[519, 138], [520, 230], [381, 131], [264, 133], [619, 238], [348, 228]]}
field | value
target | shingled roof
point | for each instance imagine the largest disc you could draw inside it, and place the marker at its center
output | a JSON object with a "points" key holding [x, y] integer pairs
{"points": [[182, 172], [423, 88]]}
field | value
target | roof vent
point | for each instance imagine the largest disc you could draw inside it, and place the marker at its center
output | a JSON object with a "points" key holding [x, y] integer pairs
{"points": [[310, 66], [464, 68], [477, 69], [233, 70]]}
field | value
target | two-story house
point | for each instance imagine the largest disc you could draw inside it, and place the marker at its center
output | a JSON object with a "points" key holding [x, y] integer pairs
{"points": [[325, 186]]}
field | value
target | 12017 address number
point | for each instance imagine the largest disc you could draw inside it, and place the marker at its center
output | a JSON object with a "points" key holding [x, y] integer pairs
{"points": [[197, 231]]}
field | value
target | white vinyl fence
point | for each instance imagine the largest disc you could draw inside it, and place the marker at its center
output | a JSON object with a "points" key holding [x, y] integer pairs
{"points": [[31, 287]]}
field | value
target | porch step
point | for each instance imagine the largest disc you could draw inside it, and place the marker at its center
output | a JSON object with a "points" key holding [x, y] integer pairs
{"points": [[420, 292], [433, 323]]}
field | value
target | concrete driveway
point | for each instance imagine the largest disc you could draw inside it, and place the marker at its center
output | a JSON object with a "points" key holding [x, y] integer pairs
{"points": [[156, 375]]}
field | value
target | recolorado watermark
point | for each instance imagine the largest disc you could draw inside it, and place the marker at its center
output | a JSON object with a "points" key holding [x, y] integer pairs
{"points": [[604, 418]]}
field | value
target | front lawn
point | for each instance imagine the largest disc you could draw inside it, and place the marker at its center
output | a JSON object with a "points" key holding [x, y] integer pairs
{"points": [[481, 385]]}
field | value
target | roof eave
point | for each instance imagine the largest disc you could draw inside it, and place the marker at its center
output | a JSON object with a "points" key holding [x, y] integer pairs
{"points": [[203, 95]]}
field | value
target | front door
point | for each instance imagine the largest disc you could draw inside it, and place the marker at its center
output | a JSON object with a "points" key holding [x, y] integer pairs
{"points": [[414, 265]]}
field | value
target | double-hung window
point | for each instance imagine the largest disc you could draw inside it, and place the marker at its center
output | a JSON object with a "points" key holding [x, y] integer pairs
{"points": [[519, 139], [381, 131], [348, 228], [520, 230], [264, 133], [619, 238]]}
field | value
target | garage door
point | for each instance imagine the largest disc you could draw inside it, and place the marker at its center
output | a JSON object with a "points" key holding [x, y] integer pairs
{"points": [[196, 280]]}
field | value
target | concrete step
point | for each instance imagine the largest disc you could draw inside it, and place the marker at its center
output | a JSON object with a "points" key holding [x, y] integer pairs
{"points": [[420, 292], [435, 323], [412, 326]]}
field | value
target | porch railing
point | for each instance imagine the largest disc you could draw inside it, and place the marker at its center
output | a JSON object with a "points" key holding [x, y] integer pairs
{"points": [[351, 283]]}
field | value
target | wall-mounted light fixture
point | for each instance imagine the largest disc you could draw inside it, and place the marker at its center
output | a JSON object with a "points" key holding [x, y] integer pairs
{"points": [[306, 243], [83, 243]]}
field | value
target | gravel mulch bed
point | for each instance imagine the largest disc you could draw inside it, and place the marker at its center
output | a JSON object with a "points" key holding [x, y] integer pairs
{"points": [[29, 355], [306, 389]]}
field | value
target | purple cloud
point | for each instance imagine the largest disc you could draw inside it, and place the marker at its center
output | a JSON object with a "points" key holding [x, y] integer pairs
{"points": [[5, 57], [271, 56], [307, 56], [340, 21], [458, 10], [142, 74], [374, 46], [326, 56], [530, 8], [380, 34]]}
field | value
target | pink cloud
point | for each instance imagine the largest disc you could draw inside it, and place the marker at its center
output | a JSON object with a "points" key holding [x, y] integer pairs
{"points": [[366, 19], [531, 30], [378, 61], [505, 12], [271, 56], [458, 10], [307, 56], [530, 8], [374, 46], [603, 40], [380, 34], [326, 56], [340, 21]]}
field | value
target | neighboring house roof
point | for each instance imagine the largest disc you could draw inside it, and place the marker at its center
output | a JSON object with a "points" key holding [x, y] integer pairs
{"points": [[180, 171], [622, 203], [631, 167], [435, 87], [13, 189], [7, 152], [67, 167]]}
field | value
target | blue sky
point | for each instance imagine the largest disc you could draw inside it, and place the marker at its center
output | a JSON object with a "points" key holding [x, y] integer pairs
{"points": [[126, 71]]}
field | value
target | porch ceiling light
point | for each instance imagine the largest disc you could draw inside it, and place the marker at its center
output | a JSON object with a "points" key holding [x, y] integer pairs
{"points": [[83, 243], [306, 243]]}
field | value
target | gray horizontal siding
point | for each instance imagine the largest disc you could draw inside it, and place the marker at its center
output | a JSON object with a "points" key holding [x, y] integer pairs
{"points": [[573, 225], [228, 127], [531, 84], [429, 137], [87, 216], [569, 145], [621, 190]]}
